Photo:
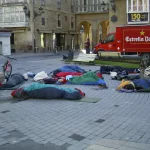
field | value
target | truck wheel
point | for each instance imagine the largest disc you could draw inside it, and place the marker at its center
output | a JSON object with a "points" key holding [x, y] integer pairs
{"points": [[98, 53], [144, 63], [146, 56]]}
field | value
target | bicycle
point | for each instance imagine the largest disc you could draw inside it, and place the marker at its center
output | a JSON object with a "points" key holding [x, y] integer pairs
{"points": [[7, 67], [144, 63]]}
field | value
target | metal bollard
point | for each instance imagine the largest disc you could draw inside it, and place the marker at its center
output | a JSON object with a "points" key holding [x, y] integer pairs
{"points": [[70, 55]]}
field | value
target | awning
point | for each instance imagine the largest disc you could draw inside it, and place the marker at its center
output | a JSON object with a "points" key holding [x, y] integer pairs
{"points": [[57, 32], [18, 31], [60, 32], [73, 32], [45, 31], [4, 30], [5, 34]]}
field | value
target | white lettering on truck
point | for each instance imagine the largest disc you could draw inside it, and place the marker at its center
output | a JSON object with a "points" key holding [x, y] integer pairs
{"points": [[132, 39], [147, 39], [138, 39]]}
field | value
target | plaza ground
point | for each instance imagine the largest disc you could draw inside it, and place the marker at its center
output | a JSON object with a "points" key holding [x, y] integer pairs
{"points": [[118, 121]]}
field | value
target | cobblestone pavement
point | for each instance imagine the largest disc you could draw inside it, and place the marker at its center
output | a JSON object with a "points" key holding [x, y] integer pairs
{"points": [[118, 121]]}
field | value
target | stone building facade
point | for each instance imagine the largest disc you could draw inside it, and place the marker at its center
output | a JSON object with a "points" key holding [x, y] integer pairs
{"points": [[129, 12], [96, 18], [31, 27], [67, 23], [92, 20], [118, 16]]}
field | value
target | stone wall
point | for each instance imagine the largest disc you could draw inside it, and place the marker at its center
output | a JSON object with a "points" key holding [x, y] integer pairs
{"points": [[120, 15], [51, 24]]}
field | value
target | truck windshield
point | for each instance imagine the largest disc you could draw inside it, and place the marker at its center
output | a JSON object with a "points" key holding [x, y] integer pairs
{"points": [[109, 38]]}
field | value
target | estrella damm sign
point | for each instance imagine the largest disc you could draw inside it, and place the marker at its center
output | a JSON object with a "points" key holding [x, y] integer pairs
{"points": [[142, 37], [138, 17]]}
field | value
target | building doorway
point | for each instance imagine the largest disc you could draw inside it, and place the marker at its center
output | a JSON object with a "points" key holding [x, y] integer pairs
{"points": [[0, 48], [12, 42], [72, 42], [85, 30], [60, 41]]}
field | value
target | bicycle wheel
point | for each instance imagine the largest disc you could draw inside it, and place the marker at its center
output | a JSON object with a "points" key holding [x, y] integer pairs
{"points": [[7, 70]]}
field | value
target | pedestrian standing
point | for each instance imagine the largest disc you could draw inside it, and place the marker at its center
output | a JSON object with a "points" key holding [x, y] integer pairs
{"points": [[87, 46]]}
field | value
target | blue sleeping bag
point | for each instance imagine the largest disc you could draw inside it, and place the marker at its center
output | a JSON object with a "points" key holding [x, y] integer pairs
{"points": [[46, 91], [142, 83]]}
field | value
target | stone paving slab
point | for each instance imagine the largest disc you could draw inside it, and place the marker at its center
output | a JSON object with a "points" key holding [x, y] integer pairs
{"points": [[45, 121], [118, 121], [108, 144]]}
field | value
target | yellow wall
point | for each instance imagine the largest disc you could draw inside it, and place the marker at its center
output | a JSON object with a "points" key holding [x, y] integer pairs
{"points": [[120, 14]]}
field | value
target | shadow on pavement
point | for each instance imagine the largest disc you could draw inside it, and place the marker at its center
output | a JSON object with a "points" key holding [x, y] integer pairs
{"points": [[31, 145]]}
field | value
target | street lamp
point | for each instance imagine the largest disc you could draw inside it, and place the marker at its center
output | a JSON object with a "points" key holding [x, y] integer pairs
{"points": [[35, 14], [82, 29], [103, 5], [26, 10], [113, 6]]}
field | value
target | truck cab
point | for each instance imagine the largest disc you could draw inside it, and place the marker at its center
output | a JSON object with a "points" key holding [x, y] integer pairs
{"points": [[128, 40], [108, 44]]}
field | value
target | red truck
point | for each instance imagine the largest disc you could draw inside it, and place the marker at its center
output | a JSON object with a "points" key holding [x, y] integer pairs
{"points": [[127, 40]]}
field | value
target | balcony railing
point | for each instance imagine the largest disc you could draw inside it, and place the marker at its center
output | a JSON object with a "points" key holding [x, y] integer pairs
{"points": [[15, 24], [12, 1], [13, 17], [91, 8]]}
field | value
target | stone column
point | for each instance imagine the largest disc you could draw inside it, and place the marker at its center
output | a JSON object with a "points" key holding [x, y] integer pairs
{"points": [[88, 5], [104, 32], [49, 41], [79, 39], [31, 8], [67, 41], [76, 41], [81, 5], [94, 33]]}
